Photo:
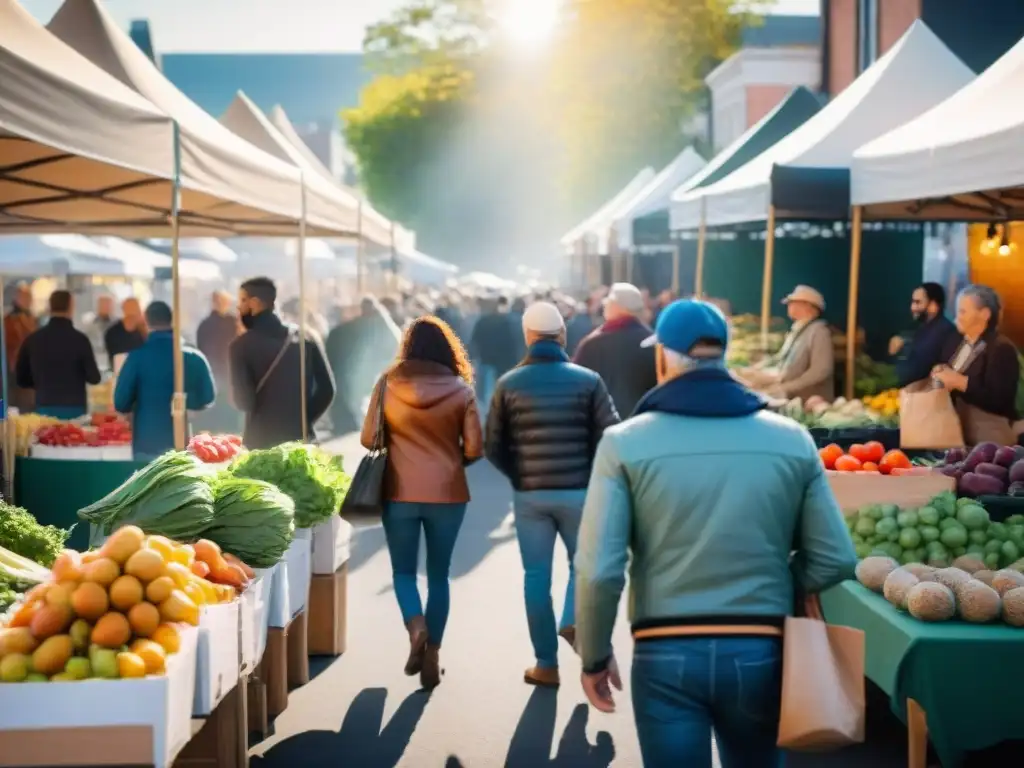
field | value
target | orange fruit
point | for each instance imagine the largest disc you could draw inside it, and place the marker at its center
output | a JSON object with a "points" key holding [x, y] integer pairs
{"points": [[67, 566], [130, 665], [152, 654], [102, 570], [848, 464], [145, 565], [89, 601], [111, 631], [161, 544], [168, 637], [144, 618], [180, 573], [183, 554], [123, 543], [126, 592], [50, 620], [160, 589]]}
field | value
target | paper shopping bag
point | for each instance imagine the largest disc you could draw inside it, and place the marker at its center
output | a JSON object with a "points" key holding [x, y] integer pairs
{"points": [[928, 419], [822, 686]]}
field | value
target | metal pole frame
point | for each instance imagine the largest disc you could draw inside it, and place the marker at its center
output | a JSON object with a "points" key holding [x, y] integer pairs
{"points": [[178, 401]]}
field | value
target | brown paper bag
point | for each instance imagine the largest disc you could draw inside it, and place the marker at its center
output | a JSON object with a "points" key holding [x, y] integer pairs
{"points": [[928, 419], [822, 686]]}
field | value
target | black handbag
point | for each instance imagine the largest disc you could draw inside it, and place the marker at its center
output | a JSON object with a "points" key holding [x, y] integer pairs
{"points": [[364, 502]]}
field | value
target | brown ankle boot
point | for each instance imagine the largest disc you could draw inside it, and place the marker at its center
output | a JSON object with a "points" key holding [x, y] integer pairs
{"points": [[417, 643], [569, 635], [542, 677], [430, 675]]}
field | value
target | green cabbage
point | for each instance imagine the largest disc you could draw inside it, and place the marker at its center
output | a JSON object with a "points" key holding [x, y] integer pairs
{"points": [[314, 479], [252, 520]]}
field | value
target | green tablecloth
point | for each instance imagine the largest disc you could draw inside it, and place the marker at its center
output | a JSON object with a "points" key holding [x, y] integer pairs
{"points": [[968, 678], [55, 490]]}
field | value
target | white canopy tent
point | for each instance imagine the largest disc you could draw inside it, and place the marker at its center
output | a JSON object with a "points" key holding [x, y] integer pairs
{"points": [[656, 195], [806, 175], [375, 226], [161, 263], [591, 227], [77, 148], [260, 255], [959, 161], [226, 181], [59, 255], [323, 199], [424, 269], [197, 248]]}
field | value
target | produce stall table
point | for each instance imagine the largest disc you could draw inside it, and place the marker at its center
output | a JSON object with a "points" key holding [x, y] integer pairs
{"points": [[959, 683], [54, 490]]}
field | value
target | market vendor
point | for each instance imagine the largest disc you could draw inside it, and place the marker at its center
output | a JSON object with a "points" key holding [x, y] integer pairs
{"points": [[145, 386], [933, 332], [983, 372], [805, 366], [57, 361]]}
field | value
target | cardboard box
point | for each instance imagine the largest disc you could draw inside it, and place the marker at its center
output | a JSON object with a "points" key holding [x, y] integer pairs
{"points": [[275, 671], [290, 588], [217, 655], [101, 722], [254, 619], [854, 490], [327, 613], [298, 651], [222, 740], [332, 544]]}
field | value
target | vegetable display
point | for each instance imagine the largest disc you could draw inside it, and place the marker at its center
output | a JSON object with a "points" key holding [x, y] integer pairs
{"points": [[313, 479], [987, 470], [22, 534], [839, 414], [17, 574], [967, 590], [936, 534], [867, 457], [104, 429], [171, 496], [253, 520], [215, 449]]}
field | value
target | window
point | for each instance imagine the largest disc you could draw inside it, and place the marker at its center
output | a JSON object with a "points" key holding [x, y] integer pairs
{"points": [[867, 33]]}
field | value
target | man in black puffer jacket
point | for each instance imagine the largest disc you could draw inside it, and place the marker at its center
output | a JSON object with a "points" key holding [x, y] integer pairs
{"points": [[546, 419]]}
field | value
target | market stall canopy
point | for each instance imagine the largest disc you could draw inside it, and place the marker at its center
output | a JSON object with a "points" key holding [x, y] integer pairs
{"points": [[229, 186], [77, 147], [424, 269], [324, 200], [792, 112], [806, 176], [654, 196], [961, 160], [277, 258], [376, 227], [198, 248], [599, 221], [63, 255]]}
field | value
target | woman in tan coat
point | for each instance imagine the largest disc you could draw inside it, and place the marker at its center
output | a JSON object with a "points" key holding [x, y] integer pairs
{"points": [[432, 432]]}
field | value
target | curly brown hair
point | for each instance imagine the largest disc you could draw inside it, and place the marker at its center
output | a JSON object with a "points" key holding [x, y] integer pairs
{"points": [[431, 339]]}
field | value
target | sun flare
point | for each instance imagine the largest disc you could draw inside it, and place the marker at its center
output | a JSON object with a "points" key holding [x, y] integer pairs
{"points": [[529, 22]]}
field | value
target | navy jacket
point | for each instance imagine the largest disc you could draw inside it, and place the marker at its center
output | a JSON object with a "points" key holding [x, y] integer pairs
{"points": [[925, 350]]}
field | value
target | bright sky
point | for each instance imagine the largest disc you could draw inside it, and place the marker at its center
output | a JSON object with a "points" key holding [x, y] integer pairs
{"points": [[270, 25]]}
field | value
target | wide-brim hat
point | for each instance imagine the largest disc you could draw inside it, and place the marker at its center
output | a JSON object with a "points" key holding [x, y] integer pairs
{"points": [[806, 294]]}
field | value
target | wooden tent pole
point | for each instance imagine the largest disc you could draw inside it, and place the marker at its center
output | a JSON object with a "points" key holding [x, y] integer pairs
{"points": [[303, 393], [178, 400], [702, 238], [851, 310], [676, 255], [360, 251], [766, 284]]}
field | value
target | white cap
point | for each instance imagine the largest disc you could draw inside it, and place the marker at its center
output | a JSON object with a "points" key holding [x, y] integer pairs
{"points": [[543, 317], [627, 297]]}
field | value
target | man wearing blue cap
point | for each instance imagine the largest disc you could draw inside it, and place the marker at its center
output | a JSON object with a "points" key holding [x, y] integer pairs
{"points": [[705, 494]]}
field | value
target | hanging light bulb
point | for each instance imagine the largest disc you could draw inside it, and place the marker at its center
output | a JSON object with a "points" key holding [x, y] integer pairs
{"points": [[1005, 246], [991, 242]]}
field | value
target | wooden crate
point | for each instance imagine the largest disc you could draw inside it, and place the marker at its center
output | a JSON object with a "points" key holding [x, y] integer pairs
{"points": [[854, 490], [328, 606]]}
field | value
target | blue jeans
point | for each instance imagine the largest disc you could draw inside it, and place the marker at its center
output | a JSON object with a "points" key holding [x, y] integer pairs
{"points": [[486, 378], [440, 523], [685, 688], [541, 517]]}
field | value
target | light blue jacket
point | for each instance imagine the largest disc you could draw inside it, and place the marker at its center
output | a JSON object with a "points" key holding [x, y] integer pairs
{"points": [[706, 509]]}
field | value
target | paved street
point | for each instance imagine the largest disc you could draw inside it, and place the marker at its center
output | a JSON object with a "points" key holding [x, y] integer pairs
{"points": [[362, 711]]}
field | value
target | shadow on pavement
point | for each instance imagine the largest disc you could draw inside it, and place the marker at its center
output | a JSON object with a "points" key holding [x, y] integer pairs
{"points": [[360, 742], [531, 743], [491, 500]]}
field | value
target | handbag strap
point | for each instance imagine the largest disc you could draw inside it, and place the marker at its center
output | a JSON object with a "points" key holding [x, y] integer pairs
{"points": [[379, 436], [277, 361]]}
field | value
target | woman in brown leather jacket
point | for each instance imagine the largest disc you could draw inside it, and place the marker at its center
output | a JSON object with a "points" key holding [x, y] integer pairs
{"points": [[432, 430]]}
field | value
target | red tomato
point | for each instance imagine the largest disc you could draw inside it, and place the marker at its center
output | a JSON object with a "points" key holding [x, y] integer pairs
{"points": [[848, 464], [875, 451]]}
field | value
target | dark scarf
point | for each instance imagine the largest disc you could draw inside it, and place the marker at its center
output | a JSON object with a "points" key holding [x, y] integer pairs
{"points": [[545, 351], [709, 392]]}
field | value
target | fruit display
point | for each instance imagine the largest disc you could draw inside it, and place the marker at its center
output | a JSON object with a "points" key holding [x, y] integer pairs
{"points": [[18, 575], [968, 590], [937, 534], [987, 470], [215, 449], [115, 612], [841, 413], [104, 430], [886, 403], [745, 343], [253, 519], [315, 480], [866, 457], [873, 378]]}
